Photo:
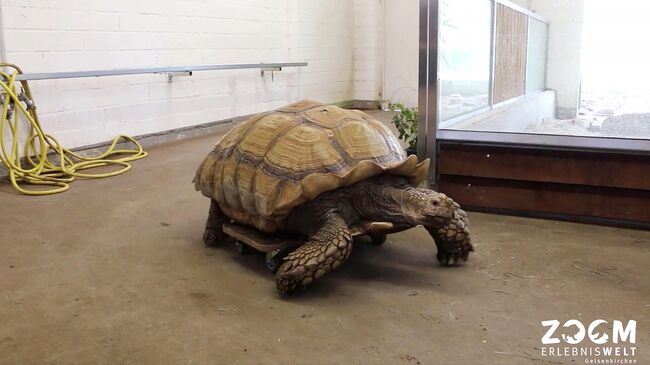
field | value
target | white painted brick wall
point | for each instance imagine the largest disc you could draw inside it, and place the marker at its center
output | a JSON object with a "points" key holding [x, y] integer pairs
{"points": [[339, 39], [368, 56], [402, 44]]}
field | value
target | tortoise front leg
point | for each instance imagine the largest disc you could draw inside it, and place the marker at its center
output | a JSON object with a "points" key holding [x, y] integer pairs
{"points": [[452, 239], [213, 233], [325, 251]]}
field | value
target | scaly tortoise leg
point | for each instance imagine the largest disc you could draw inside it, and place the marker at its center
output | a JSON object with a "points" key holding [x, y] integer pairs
{"points": [[453, 239], [213, 233], [325, 251]]}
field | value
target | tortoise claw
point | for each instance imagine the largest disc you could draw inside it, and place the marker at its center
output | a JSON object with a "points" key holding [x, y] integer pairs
{"points": [[454, 255]]}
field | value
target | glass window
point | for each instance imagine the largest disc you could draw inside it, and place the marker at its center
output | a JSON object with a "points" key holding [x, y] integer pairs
{"points": [[594, 83], [536, 60], [464, 57], [615, 91]]}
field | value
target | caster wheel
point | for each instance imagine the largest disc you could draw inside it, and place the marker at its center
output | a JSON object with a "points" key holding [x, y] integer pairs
{"points": [[274, 260], [242, 248], [378, 240]]}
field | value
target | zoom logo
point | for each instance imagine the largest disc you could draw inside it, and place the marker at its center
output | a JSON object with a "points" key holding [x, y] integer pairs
{"points": [[598, 342]]}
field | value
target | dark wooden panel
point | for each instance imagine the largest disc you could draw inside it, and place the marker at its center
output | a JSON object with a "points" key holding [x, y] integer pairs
{"points": [[511, 37], [609, 186], [610, 203], [570, 167]]}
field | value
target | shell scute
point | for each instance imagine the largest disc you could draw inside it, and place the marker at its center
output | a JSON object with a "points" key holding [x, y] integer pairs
{"points": [[301, 150], [361, 141]]}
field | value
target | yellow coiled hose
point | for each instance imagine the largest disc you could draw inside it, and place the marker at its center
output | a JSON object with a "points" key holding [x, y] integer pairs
{"points": [[36, 168]]}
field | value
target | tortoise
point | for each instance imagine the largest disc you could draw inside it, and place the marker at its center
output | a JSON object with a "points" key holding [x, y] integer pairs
{"points": [[323, 172]]}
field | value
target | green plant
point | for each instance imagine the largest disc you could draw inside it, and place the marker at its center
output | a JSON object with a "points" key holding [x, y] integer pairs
{"points": [[406, 122]]}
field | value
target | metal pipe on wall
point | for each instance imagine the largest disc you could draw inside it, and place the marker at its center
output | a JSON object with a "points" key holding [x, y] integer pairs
{"points": [[428, 86], [155, 70]]}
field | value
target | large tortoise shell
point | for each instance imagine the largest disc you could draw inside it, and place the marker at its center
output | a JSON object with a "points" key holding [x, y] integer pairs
{"points": [[273, 162]]}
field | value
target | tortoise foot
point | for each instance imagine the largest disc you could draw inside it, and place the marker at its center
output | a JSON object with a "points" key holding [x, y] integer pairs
{"points": [[453, 239], [213, 233], [308, 264], [455, 254], [211, 238], [324, 252]]}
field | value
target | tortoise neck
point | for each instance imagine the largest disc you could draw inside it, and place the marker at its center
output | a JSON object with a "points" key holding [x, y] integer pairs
{"points": [[377, 201]]}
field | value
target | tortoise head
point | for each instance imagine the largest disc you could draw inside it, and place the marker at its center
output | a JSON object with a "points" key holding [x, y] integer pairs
{"points": [[428, 208]]}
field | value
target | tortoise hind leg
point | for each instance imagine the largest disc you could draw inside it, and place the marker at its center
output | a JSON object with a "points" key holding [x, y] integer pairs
{"points": [[213, 233], [325, 251]]}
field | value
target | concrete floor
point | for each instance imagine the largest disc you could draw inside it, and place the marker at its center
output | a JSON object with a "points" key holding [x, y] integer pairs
{"points": [[114, 272]]}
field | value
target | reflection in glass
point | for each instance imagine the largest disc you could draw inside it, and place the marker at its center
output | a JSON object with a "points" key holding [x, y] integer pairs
{"points": [[536, 60], [615, 96], [464, 57]]}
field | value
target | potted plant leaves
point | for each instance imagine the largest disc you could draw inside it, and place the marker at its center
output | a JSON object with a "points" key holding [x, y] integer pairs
{"points": [[406, 122]]}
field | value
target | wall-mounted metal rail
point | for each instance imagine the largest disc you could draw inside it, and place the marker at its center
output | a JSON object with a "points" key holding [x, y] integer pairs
{"points": [[155, 70]]}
